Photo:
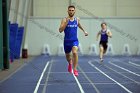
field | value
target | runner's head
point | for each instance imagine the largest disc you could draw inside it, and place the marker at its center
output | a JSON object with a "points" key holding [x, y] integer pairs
{"points": [[103, 25], [71, 10]]}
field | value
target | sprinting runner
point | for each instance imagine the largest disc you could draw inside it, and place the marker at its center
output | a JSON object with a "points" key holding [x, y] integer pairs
{"points": [[104, 34], [69, 25]]}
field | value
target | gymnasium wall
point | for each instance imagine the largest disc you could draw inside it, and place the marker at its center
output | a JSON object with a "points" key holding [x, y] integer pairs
{"points": [[122, 16], [102, 8], [42, 31], [50, 8]]}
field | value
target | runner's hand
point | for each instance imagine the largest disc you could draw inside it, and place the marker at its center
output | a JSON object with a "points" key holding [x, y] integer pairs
{"points": [[86, 34], [108, 33], [67, 20]]}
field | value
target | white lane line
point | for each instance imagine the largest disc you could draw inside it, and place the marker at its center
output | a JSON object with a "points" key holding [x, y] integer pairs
{"points": [[126, 63], [90, 83], [110, 78], [42, 74], [124, 69], [123, 75], [85, 72], [93, 85], [47, 78], [134, 63], [130, 64], [79, 85]]}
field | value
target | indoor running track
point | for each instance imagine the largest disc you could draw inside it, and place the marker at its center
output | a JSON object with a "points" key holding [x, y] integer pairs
{"points": [[49, 75]]}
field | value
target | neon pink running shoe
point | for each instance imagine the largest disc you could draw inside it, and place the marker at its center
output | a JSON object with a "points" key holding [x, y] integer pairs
{"points": [[76, 73], [70, 68]]}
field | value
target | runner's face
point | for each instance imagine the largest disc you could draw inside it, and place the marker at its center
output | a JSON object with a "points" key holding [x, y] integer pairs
{"points": [[103, 26], [71, 12]]}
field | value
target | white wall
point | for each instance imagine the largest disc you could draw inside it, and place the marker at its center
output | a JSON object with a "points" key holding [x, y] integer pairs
{"points": [[37, 35], [128, 7], [102, 8], [50, 8]]}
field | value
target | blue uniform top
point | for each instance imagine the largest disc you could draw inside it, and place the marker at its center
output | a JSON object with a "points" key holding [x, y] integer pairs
{"points": [[104, 36], [71, 30]]}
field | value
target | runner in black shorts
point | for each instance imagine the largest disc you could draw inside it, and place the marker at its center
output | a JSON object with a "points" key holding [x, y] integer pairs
{"points": [[104, 34]]}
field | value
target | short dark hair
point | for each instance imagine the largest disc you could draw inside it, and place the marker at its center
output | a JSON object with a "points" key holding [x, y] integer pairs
{"points": [[71, 6], [103, 23]]}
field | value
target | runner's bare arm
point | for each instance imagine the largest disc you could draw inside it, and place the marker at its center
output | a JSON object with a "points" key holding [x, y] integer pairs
{"points": [[98, 35], [63, 24], [109, 34], [79, 25]]}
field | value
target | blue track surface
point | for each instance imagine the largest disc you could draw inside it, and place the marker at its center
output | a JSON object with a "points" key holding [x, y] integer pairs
{"points": [[115, 75]]}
